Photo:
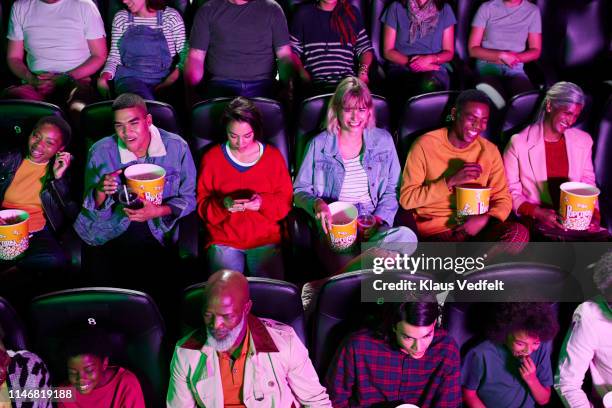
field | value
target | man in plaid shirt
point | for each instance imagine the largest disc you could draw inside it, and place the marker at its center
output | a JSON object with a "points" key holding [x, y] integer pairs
{"points": [[409, 361]]}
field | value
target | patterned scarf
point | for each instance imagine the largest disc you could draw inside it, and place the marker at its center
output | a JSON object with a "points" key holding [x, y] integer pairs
{"points": [[423, 20]]}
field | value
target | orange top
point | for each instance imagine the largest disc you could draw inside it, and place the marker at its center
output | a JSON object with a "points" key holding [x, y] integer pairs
{"points": [[232, 374], [24, 193], [431, 159]]}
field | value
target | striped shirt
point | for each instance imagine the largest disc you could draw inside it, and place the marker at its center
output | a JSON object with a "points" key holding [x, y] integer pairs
{"points": [[172, 27], [355, 188], [319, 47]]}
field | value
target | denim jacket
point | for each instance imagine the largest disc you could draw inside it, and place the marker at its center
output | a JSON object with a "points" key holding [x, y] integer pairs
{"points": [[322, 172], [58, 207], [97, 226]]}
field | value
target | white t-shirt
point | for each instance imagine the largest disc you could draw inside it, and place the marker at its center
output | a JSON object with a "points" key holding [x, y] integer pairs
{"points": [[55, 35]]}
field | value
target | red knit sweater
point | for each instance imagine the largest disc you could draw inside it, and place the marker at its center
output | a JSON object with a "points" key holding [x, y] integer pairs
{"points": [[218, 179]]}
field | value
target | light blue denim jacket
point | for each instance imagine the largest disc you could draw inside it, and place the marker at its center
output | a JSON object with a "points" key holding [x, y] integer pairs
{"points": [[322, 173], [98, 226]]}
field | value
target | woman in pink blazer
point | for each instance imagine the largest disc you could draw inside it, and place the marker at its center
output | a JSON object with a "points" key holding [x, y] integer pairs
{"points": [[548, 153]]}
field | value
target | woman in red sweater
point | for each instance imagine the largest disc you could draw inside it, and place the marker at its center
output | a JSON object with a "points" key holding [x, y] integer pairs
{"points": [[244, 190]]}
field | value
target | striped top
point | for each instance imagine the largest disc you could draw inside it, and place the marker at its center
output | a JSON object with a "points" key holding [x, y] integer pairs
{"points": [[172, 27], [355, 185], [325, 58]]}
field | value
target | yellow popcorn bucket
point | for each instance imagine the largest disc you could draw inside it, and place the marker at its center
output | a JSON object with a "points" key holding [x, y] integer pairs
{"points": [[147, 180], [472, 199], [577, 204], [14, 235], [343, 234]]}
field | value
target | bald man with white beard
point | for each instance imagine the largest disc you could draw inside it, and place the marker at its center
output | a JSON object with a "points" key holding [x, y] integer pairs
{"points": [[239, 360]]}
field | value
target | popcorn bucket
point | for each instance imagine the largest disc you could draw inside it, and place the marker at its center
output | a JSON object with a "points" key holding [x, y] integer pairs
{"points": [[472, 199], [577, 204], [147, 180], [343, 234], [14, 236]]}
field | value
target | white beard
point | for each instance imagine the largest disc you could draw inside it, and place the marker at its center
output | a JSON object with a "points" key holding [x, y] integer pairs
{"points": [[226, 343]]}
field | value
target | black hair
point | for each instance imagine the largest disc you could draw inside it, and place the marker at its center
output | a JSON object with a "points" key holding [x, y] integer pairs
{"points": [[602, 275], [421, 310], [537, 319], [1, 334], [59, 123], [89, 339], [471, 95], [243, 110], [128, 100]]}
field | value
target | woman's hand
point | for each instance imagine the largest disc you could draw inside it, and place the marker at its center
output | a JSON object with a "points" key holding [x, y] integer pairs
{"points": [[61, 164], [323, 214], [234, 205], [103, 86], [254, 204], [423, 63]]}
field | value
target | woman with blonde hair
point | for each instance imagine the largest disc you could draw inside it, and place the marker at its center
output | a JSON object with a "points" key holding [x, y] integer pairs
{"points": [[352, 161], [546, 154]]}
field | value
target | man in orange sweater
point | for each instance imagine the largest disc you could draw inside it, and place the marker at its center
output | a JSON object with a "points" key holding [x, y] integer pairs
{"points": [[445, 158]]}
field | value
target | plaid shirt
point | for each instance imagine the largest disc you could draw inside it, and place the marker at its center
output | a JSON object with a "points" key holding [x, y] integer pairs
{"points": [[368, 370]]}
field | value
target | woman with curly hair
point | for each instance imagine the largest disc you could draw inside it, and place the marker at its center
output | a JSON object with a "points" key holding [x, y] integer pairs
{"points": [[512, 368]]}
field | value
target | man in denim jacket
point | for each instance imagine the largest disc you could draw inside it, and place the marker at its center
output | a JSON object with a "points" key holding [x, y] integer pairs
{"points": [[142, 233]]}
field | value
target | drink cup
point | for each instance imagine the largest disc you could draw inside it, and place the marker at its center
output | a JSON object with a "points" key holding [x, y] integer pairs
{"points": [[343, 234], [472, 199], [577, 204], [147, 180], [364, 223], [607, 400], [14, 233], [132, 201]]}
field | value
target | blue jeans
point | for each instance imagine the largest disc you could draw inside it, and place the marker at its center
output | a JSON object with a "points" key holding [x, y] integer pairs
{"points": [[506, 81], [216, 88], [135, 86], [398, 239], [262, 261]]}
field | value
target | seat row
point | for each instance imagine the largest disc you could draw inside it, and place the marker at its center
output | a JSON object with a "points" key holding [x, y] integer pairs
{"points": [[140, 341], [421, 113]]}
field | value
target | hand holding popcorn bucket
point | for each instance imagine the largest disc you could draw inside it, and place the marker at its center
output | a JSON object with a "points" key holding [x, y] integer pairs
{"points": [[472, 199], [343, 233], [577, 204], [147, 180], [14, 234]]}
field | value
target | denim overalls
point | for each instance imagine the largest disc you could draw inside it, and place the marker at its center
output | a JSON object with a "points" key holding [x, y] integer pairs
{"points": [[145, 58]]}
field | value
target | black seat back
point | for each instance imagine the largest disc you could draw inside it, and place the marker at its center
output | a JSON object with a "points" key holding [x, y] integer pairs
{"points": [[272, 299], [423, 113], [207, 129], [12, 326], [133, 323], [97, 119], [18, 117], [603, 163]]}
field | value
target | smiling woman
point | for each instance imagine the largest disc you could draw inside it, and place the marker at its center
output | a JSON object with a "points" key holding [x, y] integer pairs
{"points": [[95, 383], [545, 155], [354, 162]]}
